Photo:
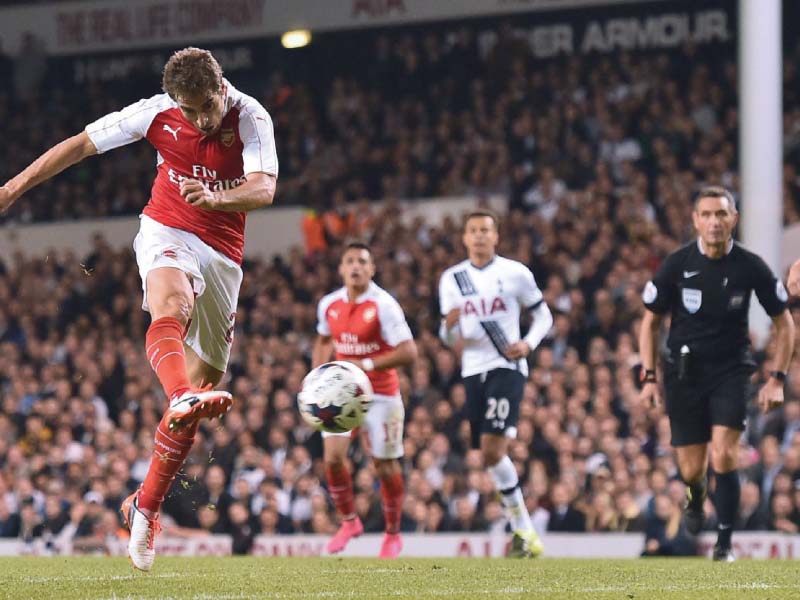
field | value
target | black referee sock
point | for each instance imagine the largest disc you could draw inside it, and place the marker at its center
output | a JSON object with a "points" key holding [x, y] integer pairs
{"points": [[726, 501], [698, 494]]}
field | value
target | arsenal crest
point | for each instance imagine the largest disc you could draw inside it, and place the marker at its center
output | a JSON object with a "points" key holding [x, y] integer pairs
{"points": [[226, 136]]}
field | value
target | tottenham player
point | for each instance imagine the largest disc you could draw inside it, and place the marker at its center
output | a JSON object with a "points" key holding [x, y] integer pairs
{"points": [[215, 157], [481, 300], [363, 324]]}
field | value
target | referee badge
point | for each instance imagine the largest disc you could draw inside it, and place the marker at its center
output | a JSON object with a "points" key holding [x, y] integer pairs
{"points": [[692, 299], [650, 293]]}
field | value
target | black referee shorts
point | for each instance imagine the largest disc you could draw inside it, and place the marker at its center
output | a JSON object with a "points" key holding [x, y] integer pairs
{"points": [[493, 400], [694, 406]]}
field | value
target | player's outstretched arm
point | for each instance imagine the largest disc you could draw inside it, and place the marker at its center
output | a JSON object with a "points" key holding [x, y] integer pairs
{"points": [[258, 191], [59, 157], [648, 342]]}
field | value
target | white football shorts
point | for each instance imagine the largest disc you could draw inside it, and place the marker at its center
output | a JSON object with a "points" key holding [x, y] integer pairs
{"points": [[215, 278], [383, 426]]}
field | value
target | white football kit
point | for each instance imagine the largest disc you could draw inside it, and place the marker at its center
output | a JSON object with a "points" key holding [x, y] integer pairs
{"points": [[491, 300]]}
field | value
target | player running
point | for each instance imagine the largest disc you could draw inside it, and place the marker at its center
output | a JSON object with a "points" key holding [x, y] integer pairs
{"points": [[363, 324], [215, 161], [481, 300]]}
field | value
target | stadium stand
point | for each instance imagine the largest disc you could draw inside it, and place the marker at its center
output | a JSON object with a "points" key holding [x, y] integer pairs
{"points": [[598, 157]]}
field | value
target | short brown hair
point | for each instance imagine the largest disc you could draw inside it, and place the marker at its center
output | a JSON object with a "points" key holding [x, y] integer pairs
{"points": [[191, 72], [715, 191], [482, 212]]}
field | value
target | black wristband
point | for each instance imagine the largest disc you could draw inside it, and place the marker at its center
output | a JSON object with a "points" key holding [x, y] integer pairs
{"points": [[649, 376], [779, 375]]}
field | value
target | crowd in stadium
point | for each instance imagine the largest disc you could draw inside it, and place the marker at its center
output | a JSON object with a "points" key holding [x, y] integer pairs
{"points": [[461, 111], [599, 158]]}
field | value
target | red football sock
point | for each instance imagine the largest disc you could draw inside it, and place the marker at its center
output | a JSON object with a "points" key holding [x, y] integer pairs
{"points": [[340, 486], [164, 347], [392, 488], [169, 452]]}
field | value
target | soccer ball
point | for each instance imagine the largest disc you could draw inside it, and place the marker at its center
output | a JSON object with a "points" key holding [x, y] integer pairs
{"points": [[335, 397]]}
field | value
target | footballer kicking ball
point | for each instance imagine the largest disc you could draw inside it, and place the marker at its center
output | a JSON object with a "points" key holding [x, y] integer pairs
{"points": [[335, 397]]}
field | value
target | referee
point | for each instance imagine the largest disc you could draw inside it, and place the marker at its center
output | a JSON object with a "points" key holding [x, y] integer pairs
{"points": [[705, 287]]}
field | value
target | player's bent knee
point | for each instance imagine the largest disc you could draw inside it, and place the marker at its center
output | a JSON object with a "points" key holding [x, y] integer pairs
{"points": [[333, 458], [177, 305], [491, 458], [692, 471], [335, 463], [386, 467], [693, 475], [180, 306]]}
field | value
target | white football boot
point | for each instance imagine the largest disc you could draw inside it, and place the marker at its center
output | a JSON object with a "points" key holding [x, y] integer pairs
{"points": [[141, 546]]}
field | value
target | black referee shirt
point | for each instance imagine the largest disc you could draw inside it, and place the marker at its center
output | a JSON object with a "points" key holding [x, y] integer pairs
{"points": [[709, 299]]}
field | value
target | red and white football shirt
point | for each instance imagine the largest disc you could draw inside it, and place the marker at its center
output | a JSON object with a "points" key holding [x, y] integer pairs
{"points": [[245, 143], [372, 325]]}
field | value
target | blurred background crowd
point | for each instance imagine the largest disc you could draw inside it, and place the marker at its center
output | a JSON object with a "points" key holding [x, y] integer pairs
{"points": [[598, 157]]}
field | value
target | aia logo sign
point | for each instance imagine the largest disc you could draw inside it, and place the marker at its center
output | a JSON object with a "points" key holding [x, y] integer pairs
{"points": [[483, 307]]}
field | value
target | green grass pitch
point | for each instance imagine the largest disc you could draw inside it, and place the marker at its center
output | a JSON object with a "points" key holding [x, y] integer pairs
{"points": [[225, 578]]}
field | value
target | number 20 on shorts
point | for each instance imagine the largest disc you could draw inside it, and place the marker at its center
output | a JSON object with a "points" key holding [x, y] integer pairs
{"points": [[497, 410]]}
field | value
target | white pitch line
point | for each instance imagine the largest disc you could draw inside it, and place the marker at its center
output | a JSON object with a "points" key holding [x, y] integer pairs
{"points": [[56, 579], [508, 591]]}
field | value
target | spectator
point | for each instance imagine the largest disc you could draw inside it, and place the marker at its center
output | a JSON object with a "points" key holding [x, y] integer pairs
{"points": [[665, 534], [208, 517], [271, 522], [215, 496], [9, 521], [602, 514], [30, 523], [564, 516], [242, 528], [465, 517], [751, 511], [784, 515], [314, 233]]}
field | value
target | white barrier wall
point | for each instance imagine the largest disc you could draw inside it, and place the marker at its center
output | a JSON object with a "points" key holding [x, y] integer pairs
{"points": [[269, 232], [752, 545]]}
